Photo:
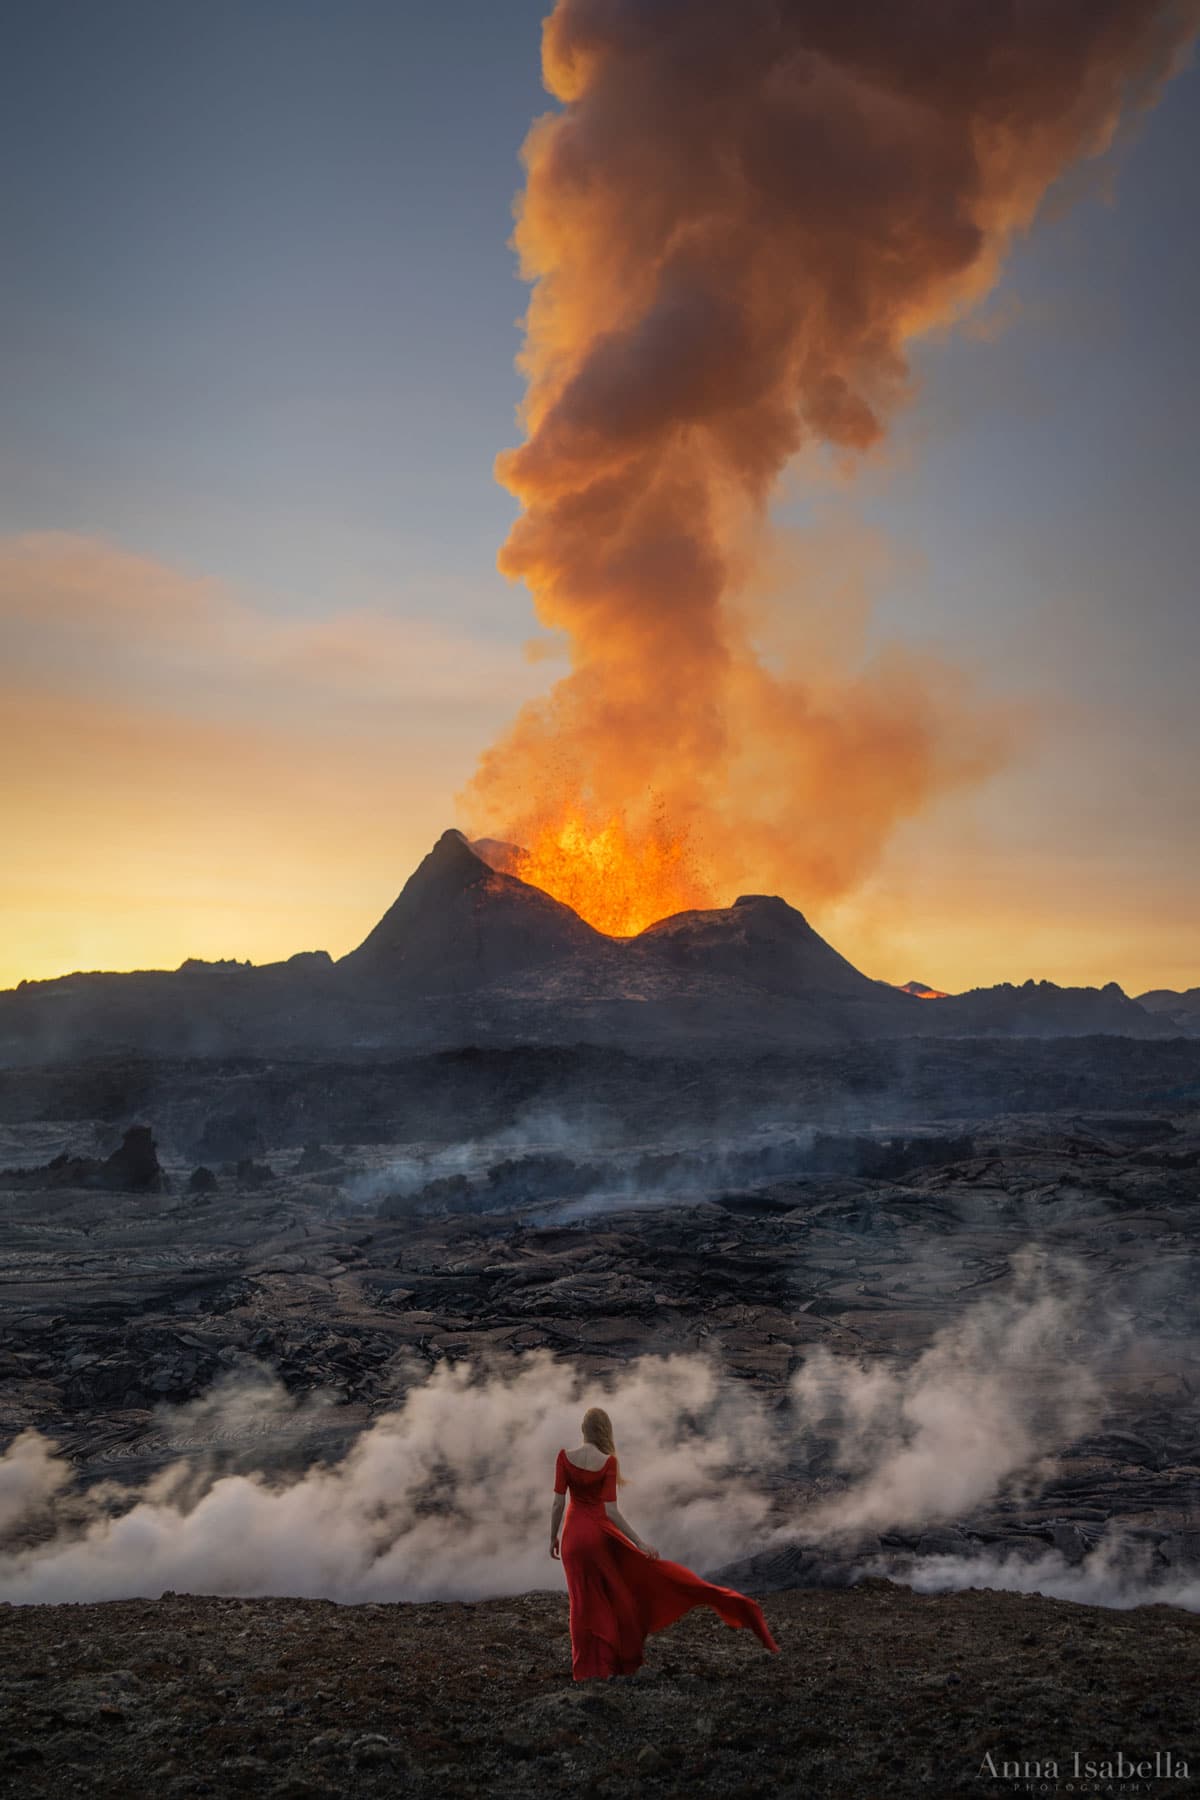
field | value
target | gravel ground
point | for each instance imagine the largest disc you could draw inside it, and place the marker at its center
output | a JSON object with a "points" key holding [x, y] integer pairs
{"points": [[877, 1692]]}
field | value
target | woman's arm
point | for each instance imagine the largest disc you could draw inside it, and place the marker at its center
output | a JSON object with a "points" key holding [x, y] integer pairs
{"points": [[556, 1513], [622, 1524]]}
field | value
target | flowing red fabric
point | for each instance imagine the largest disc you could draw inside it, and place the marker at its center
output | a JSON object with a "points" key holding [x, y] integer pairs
{"points": [[618, 1594]]}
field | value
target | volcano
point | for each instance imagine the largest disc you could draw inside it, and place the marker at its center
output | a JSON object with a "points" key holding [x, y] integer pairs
{"points": [[464, 930], [762, 941], [471, 954], [460, 924]]}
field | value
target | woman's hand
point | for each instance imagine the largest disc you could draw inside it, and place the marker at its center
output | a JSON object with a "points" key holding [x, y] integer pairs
{"points": [[650, 1551], [554, 1551]]}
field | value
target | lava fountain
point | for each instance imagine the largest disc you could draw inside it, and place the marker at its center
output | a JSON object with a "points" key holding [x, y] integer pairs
{"points": [[618, 882]]}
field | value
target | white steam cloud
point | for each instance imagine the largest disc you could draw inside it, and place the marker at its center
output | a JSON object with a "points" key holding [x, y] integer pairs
{"points": [[448, 1495], [1114, 1574], [1004, 1384], [30, 1476]]}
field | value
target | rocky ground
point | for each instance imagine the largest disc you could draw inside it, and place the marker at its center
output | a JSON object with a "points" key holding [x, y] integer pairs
{"points": [[359, 1227], [876, 1692]]}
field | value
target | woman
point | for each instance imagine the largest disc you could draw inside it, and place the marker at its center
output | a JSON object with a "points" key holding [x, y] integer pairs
{"points": [[620, 1589]]}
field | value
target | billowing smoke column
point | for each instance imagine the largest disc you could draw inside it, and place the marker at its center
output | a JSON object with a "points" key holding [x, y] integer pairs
{"points": [[736, 224]]}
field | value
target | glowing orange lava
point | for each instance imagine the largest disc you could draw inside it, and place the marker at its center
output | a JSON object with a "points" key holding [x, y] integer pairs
{"points": [[619, 881]]}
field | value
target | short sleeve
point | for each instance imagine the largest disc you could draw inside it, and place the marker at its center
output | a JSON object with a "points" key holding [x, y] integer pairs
{"points": [[560, 1473], [609, 1491]]}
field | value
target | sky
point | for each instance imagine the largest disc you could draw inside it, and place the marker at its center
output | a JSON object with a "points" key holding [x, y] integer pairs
{"points": [[256, 359]]}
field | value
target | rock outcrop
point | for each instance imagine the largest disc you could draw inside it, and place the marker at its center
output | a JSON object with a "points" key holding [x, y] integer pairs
{"points": [[133, 1168]]}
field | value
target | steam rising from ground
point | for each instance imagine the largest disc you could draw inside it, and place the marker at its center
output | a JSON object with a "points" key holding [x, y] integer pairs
{"points": [[1113, 1574], [736, 225], [30, 1476], [1000, 1387], [448, 1495]]}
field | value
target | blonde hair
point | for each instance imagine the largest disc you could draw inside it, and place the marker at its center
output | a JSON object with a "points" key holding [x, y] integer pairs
{"points": [[597, 1429]]}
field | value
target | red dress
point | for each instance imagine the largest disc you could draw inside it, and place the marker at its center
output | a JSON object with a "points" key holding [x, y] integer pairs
{"points": [[618, 1594]]}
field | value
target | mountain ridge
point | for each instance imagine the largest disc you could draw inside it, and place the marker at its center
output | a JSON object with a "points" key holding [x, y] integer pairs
{"points": [[467, 953]]}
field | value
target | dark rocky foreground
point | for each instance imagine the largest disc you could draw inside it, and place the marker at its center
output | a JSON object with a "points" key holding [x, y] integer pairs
{"points": [[876, 1693]]}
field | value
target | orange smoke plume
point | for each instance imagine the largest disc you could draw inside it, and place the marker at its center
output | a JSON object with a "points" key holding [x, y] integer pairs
{"points": [[735, 225]]}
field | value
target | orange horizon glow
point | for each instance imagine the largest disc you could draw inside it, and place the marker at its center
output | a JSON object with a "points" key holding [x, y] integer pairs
{"points": [[272, 899], [144, 823]]}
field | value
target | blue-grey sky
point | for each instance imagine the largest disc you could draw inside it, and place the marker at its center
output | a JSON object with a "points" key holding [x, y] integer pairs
{"points": [[258, 316], [257, 334]]}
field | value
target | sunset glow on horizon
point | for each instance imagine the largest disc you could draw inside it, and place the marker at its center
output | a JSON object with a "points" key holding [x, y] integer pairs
{"points": [[893, 615]]}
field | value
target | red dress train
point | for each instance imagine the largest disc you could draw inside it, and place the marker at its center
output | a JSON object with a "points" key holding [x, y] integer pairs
{"points": [[618, 1594]]}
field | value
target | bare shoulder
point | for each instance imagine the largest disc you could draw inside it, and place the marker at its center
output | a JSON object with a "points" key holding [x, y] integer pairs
{"points": [[587, 1457]]}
